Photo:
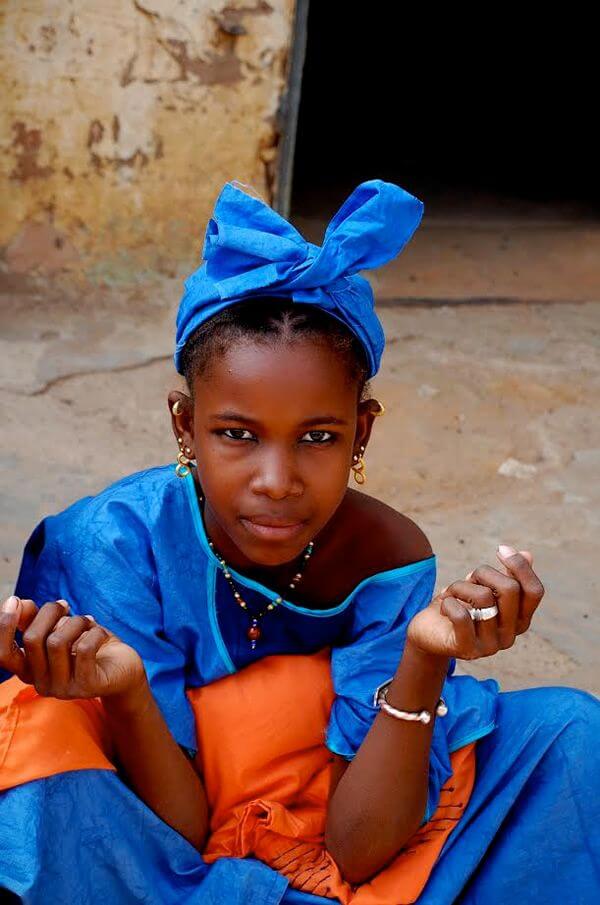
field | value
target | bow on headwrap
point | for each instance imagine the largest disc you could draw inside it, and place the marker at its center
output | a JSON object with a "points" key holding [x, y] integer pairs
{"points": [[250, 250]]}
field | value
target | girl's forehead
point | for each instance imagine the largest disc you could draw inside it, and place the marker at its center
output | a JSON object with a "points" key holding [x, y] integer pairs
{"points": [[274, 377]]}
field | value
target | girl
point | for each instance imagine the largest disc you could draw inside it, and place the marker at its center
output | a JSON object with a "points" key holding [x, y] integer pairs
{"points": [[241, 657]]}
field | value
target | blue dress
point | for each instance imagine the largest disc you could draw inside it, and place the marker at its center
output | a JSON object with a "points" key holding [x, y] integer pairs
{"points": [[137, 558]]}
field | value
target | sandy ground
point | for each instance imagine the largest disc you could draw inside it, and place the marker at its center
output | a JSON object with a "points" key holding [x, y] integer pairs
{"points": [[492, 432]]}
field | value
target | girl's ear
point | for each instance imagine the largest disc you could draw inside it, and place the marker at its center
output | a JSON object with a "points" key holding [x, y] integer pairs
{"points": [[368, 410], [181, 409]]}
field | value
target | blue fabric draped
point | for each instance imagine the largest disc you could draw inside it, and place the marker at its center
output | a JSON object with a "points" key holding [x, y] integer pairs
{"points": [[530, 831], [177, 612], [251, 250]]}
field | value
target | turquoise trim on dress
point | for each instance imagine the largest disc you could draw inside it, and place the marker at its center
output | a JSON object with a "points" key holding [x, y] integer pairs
{"points": [[477, 734], [389, 575], [214, 622]]}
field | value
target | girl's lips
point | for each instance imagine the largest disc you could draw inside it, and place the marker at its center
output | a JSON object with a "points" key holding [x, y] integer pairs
{"points": [[272, 531]]}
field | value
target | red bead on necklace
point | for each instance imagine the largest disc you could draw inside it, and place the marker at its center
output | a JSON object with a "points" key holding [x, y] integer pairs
{"points": [[254, 632]]}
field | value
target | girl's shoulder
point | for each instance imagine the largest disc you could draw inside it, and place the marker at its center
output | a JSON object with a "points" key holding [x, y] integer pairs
{"points": [[369, 540], [388, 538], [117, 530], [136, 492]]}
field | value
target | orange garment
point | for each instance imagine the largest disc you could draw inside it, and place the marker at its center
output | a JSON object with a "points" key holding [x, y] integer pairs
{"points": [[40, 737], [266, 770], [265, 766]]}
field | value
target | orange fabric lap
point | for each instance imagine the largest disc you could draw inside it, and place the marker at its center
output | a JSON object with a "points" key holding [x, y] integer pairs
{"points": [[40, 737], [265, 766], [267, 772]]}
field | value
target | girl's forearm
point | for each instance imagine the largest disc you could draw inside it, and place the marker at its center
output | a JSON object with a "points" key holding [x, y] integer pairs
{"points": [[380, 800], [155, 766]]}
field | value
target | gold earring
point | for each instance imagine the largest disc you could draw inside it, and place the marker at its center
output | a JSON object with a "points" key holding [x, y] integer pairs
{"points": [[177, 408], [359, 469], [381, 409], [181, 469]]}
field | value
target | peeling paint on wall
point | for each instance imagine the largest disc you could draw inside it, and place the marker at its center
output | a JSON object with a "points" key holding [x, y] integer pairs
{"points": [[120, 122]]}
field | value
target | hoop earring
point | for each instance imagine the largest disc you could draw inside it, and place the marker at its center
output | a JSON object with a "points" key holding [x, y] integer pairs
{"points": [[182, 469], [176, 410], [359, 469], [381, 409]]}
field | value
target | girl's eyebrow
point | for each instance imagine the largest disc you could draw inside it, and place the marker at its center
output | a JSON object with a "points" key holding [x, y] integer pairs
{"points": [[245, 419], [234, 416], [323, 419]]}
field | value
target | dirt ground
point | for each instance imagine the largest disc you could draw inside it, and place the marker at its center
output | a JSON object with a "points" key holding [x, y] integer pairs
{"points": [[492, 432]]}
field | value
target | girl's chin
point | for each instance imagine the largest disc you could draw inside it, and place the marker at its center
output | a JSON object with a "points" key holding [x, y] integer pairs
{"points": [[288, 535], [270, 549]]}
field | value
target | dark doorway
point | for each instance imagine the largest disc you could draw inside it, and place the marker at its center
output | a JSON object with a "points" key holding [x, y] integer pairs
{"points": [[495, 110]]}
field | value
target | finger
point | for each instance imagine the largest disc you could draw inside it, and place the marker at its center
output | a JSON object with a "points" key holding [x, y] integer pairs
{"points": [[12, 657], [532, 589], [85, 656], [507, 591], [524, 553], [509, 627], [75, 645], [479, 597], [27, 613], [488, 633], [464, 628], [58, 649], [34, 642], [505, 570], [468, 591]]}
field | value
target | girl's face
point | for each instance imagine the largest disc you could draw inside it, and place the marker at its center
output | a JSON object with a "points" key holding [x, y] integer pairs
{"points": [[274, 430]]}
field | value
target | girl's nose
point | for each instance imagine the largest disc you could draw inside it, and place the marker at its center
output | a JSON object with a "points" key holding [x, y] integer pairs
{"points": [[276, 476]]}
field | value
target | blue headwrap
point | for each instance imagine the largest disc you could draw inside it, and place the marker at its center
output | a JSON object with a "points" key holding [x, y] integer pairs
{"points": [[250, 250]]}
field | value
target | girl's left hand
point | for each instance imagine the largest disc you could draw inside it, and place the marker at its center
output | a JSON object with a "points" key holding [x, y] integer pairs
{"points": [[445, 627], [64, 656]]}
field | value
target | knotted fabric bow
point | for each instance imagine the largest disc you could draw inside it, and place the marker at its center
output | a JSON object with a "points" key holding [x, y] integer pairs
{"points": [[252, 251]]}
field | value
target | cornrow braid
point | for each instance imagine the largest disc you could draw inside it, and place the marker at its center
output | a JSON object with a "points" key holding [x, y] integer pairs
{"points": [[271, 320]]}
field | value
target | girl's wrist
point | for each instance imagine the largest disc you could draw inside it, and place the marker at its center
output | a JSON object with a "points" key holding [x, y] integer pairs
{"points": [[423, 660], [418, 682], [130, 702]]}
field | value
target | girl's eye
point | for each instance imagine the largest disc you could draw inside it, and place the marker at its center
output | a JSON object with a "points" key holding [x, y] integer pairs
{"points": [[237, 433], [317, 437]]}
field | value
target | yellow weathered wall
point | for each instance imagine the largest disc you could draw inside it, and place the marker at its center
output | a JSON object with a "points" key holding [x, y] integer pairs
{"points": [[122, 118]]}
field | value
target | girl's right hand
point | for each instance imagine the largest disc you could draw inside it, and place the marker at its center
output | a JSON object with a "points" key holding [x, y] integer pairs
{"points": [[66, 656], [445, 628]]}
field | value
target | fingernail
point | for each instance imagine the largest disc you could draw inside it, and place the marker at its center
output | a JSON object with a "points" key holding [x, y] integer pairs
{"points": [[505, 551], [11, 605], [469, 576], [91, 618], [63, 603]]}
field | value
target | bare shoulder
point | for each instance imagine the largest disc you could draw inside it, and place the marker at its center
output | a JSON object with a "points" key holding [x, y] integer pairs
{"points": [[365, 537], [380, 537]]}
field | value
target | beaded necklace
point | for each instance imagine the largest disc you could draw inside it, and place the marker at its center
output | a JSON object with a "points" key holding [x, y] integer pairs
{"points": [[254, 632]]}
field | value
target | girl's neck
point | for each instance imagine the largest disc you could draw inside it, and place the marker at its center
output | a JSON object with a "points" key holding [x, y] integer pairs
{"points": [[276, 578], [335, 568]]}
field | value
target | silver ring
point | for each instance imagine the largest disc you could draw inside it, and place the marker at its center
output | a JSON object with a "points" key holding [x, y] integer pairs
{"points": [[480, 614]]}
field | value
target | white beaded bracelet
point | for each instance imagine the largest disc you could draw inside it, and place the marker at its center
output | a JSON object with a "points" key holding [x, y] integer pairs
{"points": [[411, 716]]}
